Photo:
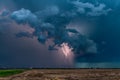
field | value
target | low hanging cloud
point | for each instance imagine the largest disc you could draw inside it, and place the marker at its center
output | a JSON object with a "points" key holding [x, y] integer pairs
{"points": [[91, 9]]}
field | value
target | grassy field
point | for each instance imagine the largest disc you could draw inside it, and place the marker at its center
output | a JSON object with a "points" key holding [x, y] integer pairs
{"points": [[6, 73]]}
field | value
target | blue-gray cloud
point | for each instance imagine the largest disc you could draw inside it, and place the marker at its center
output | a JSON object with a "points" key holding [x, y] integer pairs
{"points": [[90, 9], [24, 16]]}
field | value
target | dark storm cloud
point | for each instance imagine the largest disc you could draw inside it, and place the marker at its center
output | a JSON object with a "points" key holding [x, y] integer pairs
{"points": [[52, 21]]}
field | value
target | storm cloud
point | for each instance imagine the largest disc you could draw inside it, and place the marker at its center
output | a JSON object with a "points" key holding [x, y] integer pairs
{"points": [[24, 16], [51, 22], [90, 9]]}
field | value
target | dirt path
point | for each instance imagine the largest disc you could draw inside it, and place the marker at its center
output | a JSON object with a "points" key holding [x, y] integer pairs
{"points": [[77, 74]]}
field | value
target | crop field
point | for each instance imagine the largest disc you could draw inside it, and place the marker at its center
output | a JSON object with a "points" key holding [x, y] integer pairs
{"points": [[61, 74]]}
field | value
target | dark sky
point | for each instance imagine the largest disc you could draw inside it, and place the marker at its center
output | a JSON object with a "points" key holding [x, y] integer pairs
{"points": [[30, 30]]}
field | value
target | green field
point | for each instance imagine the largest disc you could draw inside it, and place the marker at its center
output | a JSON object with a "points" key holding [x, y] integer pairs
{"points": [[6, 73]]}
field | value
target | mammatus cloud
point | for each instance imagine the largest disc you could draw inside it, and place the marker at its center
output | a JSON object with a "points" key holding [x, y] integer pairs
{"points": [[90, 9]]}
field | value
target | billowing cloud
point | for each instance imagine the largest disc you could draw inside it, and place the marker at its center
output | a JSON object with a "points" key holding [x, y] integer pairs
{"points": [[90, 9], [82, 44], [24, 16]]}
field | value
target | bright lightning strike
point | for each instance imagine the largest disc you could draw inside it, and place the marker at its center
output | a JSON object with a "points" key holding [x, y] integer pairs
{"points": [[66, 49]]}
